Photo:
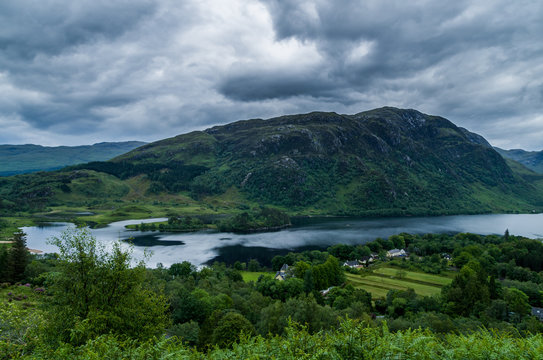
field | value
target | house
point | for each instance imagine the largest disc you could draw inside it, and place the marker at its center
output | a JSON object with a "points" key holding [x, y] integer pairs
{"points": [[351, 263], [366, 260], [396, 253], [446, 256], [325, 292], [538, 313], [282, 273]]}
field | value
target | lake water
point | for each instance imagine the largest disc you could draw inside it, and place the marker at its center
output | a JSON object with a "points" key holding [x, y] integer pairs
{"points": [[312, 233]]}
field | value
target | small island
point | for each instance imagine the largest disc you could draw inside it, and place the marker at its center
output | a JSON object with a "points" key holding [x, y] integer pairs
{"points": [[265, 219], [174, 224]]}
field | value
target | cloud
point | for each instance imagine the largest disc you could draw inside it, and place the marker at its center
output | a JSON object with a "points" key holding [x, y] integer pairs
{"points": [[89, 71], [50, 27]]}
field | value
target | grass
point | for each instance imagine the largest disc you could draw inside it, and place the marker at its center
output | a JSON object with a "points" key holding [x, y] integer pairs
{"points": [[253, 276], [19, 293], [385, 279], [9, 225], [403, 284], [416, 276]]}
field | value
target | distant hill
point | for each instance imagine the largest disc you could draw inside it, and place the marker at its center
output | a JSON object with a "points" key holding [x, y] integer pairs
{"points": [[531, 159], [386, 161], [20, 159]]}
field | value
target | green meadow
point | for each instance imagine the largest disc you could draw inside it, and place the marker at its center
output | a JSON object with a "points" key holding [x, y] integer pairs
{"points": [[384, 279]]}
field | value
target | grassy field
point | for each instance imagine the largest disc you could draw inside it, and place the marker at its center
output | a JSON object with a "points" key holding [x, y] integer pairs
{"points": [[385, 279], [9, 225], [253, 276], [416, 276]]}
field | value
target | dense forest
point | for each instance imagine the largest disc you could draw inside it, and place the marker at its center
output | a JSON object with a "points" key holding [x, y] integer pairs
{"points": [[91, 302]]}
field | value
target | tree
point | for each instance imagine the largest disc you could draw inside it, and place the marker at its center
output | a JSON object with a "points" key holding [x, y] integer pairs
{"points": [[98, 292], [401, 274], [309, 285], [190, 306], [187, 332], [229, 329], [17, 258], [277, 262], [254, 265], [300, 269], [398, 241], [469, 291], [183, 269], [3, 263], [517, 302]]}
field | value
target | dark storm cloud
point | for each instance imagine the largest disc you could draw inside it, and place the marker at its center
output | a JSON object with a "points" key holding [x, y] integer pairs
{"points": [[33, 27], [403, 38], [478, 63], [261, 85], [85, 71]]}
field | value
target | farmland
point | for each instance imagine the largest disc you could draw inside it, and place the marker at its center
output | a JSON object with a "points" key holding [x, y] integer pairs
{"points": [[382, 280]]}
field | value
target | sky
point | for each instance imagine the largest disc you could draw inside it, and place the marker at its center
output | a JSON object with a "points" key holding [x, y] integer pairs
{"points": [[81, 72]]}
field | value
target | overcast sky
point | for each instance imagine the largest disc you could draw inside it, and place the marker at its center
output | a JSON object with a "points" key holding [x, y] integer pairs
{"points": [[80, 72]]}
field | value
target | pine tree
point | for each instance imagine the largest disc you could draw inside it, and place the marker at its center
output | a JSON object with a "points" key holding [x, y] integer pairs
{"points": [[17, 258], [3, 263]]}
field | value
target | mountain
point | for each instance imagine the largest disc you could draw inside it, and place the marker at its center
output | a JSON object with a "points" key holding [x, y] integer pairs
{"points": [[20, 159], [531, 159], [385, 161]]}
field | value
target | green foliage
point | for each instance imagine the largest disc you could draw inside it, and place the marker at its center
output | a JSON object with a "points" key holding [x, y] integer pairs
{"points": [[4, 259], [469, 291], [97, 292], [21, 328], [186, 332], [265, 219], [328, 274], [281, 290], [196, 305], [517, 302], [229, 329], [211, 307], [183, 269], [368, 164], [18, 257], [14, 260], [253, 266], [352, 340]]}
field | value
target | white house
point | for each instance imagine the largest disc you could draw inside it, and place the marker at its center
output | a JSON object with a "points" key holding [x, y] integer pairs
{"points": [[396, 253], [282, 274]]}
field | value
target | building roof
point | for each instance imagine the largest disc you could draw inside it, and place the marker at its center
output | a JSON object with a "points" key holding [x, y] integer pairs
{"points": [[537, 312], [280, 276], [284, 268], [351, 263]]}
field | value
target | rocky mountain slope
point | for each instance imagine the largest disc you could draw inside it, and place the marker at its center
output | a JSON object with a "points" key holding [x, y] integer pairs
{"points": [[385, 161]]}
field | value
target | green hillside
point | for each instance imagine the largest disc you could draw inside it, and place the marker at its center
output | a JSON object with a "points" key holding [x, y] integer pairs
{"points": [[385, 161], [21, 159], [531, 159]]}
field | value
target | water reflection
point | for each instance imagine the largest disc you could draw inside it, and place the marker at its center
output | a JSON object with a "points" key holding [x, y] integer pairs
{"points": [[314, 233]]}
